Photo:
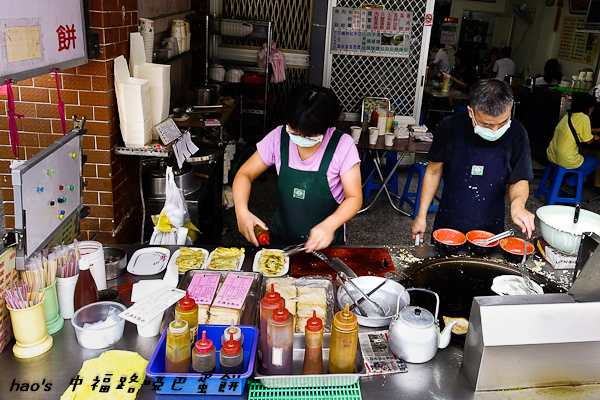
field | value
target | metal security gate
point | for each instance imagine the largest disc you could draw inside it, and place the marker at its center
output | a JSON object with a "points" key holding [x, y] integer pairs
{"points": [[354, 77]]}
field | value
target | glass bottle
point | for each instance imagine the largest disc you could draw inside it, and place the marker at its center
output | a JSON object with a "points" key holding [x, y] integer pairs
{"points": [[280, 339], [313, 353], [187, 310], [204, 357], [238, 336], [262, 235], [344, 339], [86, 291], [178, 353], [267, 305], [231, 357]]}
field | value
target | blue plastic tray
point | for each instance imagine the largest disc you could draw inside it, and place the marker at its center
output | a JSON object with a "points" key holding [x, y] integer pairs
{"points": [[203, 384]]}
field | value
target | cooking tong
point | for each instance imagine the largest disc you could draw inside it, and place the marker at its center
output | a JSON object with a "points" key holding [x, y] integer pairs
{"points": [[343, 280], [295, 249], [485, 242]]}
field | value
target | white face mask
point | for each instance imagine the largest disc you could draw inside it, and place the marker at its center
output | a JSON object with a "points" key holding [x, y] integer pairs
{"points": [[303, 141], [489, 134]]}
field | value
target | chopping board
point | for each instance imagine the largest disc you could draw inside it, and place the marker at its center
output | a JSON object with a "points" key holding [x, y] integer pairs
{"points": [[363, 261]]}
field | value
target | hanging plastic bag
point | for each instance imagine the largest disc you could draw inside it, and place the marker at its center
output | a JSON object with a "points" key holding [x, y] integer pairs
{"points": [[277, 61], [175, 207]]}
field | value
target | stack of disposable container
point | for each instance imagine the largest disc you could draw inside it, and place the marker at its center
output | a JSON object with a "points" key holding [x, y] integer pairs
{"points": [[133, 101], [158, 77], [147, 32]]}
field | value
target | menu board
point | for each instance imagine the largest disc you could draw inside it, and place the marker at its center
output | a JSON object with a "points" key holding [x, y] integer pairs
{"points": [[370, 32], [577, 46]]}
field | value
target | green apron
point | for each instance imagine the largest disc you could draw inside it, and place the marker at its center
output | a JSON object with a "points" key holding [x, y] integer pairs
{"points": [[305, 199]]}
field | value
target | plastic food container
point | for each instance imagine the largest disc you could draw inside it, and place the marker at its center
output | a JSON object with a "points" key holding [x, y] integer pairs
{"points": [[204, 384], [557, 226], [92, 337]]}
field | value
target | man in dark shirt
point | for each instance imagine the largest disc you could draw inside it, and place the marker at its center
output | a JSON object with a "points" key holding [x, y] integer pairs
{"points": [[478, 153]]}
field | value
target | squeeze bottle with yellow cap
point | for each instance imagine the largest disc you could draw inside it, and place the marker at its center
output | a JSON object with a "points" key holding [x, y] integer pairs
{"points": [[187, 310], [344, 340], [313, 353], [262, 235]]}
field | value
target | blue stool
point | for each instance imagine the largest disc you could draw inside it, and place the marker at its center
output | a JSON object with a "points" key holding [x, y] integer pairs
{"points": [[391, 159], [554, 176], [419, 169]]}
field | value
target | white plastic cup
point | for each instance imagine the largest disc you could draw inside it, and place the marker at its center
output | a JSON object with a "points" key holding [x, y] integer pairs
{"points": [[152, 328], [373, 134], [389, 138], [65, 291], [381, 122], [94, 253], [355, 132]]}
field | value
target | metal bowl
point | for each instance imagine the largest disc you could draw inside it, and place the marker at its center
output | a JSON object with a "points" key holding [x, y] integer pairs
{"points": [[386, 296], [557, 226], [115, 259]]}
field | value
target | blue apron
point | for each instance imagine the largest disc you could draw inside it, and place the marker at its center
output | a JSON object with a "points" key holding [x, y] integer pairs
{"points": [[474, 186], [305, 198]]}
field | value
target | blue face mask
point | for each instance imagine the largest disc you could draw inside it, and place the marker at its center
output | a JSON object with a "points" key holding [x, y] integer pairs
{"points": [[304, 141], [489, 134]]}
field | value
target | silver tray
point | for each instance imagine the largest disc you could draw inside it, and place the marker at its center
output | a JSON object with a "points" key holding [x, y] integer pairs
{"points": [[249, 310], [297, 379]]}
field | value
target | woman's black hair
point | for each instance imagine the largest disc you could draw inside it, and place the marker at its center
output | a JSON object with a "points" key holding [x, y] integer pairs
{"points": [[552, 70], [582, 102], [310, 110]]}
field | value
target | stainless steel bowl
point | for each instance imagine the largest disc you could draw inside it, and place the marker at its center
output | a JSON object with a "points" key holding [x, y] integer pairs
{"points": [[115, 260]]}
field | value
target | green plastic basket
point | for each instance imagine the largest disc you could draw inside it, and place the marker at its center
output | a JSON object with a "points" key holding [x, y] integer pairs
{"points": [[259, 392]]}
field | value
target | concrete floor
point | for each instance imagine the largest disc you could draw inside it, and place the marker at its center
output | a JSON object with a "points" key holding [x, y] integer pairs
{"points": [[381, 224]]}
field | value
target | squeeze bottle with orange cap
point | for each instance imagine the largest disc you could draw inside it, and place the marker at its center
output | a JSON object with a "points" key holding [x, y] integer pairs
{"points": [[344, 340], [280, 339], [204, 355], [267, 305], [262, 235], [231, 357], [313, 354], [187, 310]]}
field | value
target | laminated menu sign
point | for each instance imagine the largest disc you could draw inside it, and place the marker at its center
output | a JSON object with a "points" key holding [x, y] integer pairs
{"points": [[377, 355], [152, 305], [234, 291], [203, 287]]}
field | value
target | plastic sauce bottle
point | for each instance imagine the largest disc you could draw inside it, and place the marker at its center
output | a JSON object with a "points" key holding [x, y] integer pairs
{"points": [[204, 357], [262, 235], [344, 339], [269, 303], [231, 357], [178, 353], [313, 354], [237, 334], [280, 339], [187, 310], [86, 291], [389, 121], [374, 117]]}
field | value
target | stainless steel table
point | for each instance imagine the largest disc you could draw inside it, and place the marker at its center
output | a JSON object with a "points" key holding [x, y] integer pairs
{"points": [[440, 378]]}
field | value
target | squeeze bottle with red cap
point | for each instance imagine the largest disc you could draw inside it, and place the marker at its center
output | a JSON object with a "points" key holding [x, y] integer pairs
{"points": [[262, 235], [374, 117], [280, 339], [204, 355], [187, 310], [344, 340], [267, 305], [313, 354], [231, 357]]}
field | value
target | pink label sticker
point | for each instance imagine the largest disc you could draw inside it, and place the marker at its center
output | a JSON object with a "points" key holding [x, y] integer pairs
{"points": [[203, 287], [233, 292]]}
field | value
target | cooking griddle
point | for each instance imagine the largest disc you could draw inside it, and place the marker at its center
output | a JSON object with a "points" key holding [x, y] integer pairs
{"points": [[362, 260]]}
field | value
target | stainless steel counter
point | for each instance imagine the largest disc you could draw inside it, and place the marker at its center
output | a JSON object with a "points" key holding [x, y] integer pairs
{"points": [[440, 378]]}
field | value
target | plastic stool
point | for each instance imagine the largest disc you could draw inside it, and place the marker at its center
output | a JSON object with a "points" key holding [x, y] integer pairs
{"points": [[419, 169], [391, 160], [554, 175]]}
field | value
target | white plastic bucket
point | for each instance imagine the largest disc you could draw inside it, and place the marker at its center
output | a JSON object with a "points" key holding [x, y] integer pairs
{"points": [[94, 253]]}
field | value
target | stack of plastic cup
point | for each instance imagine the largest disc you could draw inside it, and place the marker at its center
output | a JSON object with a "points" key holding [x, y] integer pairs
{"points": [[178, 32], [147, 32]]}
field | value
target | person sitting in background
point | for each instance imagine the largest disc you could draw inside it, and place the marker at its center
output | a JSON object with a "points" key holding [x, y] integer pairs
{"points": [[441, 60], [552, 75], [463, 74], [504, 66], [573, 129], [488, 65]]}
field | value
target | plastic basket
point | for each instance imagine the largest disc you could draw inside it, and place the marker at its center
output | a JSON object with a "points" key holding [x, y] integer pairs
{"points": [[204, 384], [259, 392]]}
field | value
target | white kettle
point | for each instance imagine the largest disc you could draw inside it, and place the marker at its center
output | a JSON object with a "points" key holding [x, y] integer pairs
{"points": [[414, 333]]}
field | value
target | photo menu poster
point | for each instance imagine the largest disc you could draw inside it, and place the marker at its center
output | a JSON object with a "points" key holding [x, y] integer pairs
{"points": [[370, 32], [576, 46]]}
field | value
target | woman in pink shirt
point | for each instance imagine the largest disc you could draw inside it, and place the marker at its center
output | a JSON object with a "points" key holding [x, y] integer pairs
{"points": [[319, 179]]}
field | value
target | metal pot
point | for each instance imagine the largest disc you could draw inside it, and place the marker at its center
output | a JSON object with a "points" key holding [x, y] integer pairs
{"points": [[115, 260], [154, 180], [205, 96]]}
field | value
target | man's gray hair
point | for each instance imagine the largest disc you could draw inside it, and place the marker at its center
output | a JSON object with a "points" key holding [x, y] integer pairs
{"points": [[491, 96]]}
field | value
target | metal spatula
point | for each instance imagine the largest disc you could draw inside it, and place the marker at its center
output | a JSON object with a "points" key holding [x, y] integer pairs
{"points": [[528, 285]]}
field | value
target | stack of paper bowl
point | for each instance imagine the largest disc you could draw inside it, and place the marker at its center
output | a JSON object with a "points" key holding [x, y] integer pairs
{"points": [[178, 32], [147, 32]]}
